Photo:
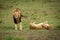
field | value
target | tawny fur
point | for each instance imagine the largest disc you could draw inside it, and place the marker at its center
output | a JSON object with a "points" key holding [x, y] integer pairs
{"points": [[16, 12], [40, 25], [33, 25], [17, 17]]}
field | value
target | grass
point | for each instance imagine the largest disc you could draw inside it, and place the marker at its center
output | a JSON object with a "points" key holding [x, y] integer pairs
{"points": [[37, 10], [32, 35]]}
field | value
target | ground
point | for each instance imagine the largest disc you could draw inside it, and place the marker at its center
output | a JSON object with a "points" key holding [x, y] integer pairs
{"points": [[37, 10]]}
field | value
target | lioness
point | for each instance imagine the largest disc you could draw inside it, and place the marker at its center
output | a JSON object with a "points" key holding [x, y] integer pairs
{"points": [[45, 25]]}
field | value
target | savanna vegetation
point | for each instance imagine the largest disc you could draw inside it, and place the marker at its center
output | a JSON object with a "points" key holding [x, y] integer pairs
{"points": [[37, 10]]}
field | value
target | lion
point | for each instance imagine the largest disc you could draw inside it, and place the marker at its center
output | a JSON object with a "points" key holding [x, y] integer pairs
{"points": [[41, 25], [33, 25], [17, 17]]}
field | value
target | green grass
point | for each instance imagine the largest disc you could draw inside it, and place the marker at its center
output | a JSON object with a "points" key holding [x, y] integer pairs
{"points": [[37, 10]]}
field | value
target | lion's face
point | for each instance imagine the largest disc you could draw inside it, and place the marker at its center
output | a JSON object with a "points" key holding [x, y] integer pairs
{"points": [[16, 12]]}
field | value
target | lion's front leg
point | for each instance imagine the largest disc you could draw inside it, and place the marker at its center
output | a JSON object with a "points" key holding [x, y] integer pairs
{"points": [[15, 26], [20, 26]]}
